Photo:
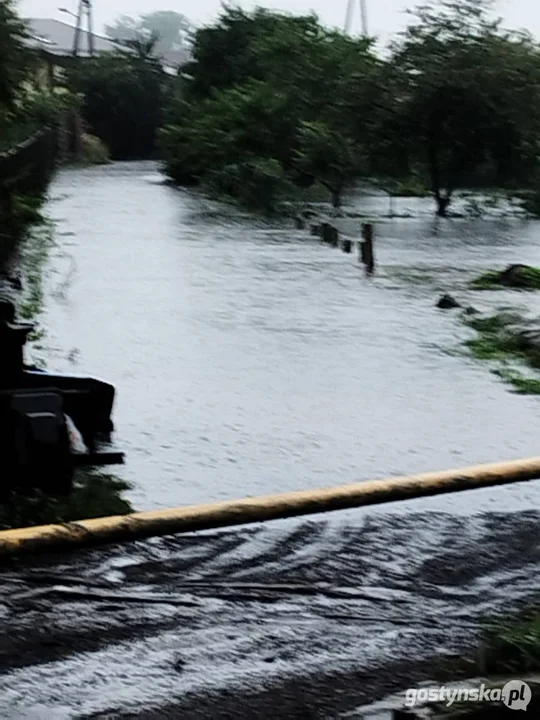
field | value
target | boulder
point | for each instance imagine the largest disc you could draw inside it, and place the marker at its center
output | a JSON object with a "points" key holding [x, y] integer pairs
{"points": [[514, 276], [447, 302]]}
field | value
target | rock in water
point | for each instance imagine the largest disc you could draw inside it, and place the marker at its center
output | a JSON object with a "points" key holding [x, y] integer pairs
{"points": [[471, 310], [447, 302], [519, 276]]}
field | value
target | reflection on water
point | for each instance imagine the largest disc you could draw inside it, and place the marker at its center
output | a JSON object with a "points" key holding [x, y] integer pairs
{"points": [[250, 358]]}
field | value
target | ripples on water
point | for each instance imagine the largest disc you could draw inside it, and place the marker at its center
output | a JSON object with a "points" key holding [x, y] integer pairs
{"points": [[249, 357]]}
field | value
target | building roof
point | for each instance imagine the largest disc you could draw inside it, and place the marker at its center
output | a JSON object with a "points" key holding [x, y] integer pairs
{"points": [[56, 38]]}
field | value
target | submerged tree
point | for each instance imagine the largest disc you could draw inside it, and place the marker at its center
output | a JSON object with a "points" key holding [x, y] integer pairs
{"points": [[467, 97], [271, 93]]}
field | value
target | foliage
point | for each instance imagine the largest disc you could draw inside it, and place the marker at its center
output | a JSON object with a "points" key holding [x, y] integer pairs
{"points": [[15, 59], [513, 646], [456, 104], [94, 151], [95, 494], [489, 280], [468, 97], [503, 340], [288, 95], [171, 29], [123, 94], [260, 184]]}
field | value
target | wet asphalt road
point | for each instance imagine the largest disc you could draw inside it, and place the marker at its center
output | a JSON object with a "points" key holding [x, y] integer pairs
{"points": [[290, 620]]}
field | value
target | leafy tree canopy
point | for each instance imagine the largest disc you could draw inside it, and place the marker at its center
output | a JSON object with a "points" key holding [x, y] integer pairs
{"points": [[15, 58], [467, 96], [273, 86]]}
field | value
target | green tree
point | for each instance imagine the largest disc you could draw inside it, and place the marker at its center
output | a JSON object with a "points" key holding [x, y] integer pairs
{"points": [[15, 58], [269, 88], [329, 157], [467, 97], [123, 96]]}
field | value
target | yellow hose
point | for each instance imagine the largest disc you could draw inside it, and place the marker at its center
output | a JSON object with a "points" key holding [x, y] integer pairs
{"points": [[125, 528]]}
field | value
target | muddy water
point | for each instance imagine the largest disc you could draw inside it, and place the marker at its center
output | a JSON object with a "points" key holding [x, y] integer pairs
{"points": [[250, 358]]}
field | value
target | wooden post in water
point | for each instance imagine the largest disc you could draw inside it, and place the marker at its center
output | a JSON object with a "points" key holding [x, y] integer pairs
{"points": [[346, 245], [330, 234], [366, 248]]}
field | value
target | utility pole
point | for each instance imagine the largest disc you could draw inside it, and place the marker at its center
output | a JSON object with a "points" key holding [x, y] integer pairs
{"points": [[85, 9], [363, 16]]}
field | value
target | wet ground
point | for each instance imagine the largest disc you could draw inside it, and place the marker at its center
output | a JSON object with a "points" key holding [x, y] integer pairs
{"points": [[311, 620], [249, 358]]}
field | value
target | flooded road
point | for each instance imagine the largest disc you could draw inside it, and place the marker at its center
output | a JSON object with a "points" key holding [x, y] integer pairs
{"points": [[250, 358]]}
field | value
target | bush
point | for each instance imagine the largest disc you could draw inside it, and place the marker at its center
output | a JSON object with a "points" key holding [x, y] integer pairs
{"points": [[258, 184], [94, 150]]}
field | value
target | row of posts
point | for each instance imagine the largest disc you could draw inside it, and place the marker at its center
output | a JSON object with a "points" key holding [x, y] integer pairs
{"points": [[330, 235]]}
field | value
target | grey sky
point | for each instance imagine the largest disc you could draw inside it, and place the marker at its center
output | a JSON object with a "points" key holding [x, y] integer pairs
{"points": [[385, 16]]}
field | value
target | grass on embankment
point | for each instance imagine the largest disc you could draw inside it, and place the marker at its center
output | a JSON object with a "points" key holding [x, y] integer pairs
{"points": [[95, 493], [503, 339]]}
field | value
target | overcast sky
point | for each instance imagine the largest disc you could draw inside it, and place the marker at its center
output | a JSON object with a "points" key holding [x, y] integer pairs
{"points": [[384, 16]]}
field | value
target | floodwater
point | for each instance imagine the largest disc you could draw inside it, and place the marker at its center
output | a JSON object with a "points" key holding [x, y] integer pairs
{"points": [[250, 358]]}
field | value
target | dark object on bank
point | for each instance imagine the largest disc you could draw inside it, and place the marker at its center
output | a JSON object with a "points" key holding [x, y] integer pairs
{"points": [[447, 302], [14, 281], [49, 424]]}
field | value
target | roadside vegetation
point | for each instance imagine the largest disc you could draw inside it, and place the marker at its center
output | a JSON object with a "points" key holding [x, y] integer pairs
{"points": [[272, 101], [95, 494], [511, 343]]}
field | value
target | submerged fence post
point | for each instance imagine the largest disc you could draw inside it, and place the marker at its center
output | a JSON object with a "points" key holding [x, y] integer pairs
{"points": [[367, 256], [346, 245], [330, 234]]}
